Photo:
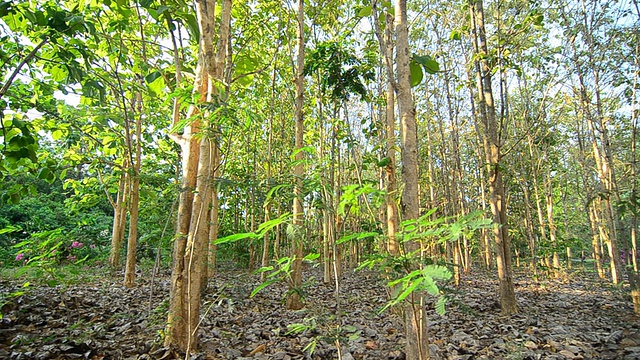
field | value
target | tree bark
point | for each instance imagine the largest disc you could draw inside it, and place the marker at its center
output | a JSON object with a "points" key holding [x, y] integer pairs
{"points": [[119, 219], [294, 300], [415, 318], [130, 270], [492, 146], [193, 230]]}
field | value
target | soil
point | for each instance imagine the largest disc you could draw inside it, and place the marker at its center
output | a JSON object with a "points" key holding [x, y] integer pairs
{"points": [[576, 317]]}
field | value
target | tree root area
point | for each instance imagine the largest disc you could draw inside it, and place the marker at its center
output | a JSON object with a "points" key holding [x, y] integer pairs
{"points": [[573, 318]]}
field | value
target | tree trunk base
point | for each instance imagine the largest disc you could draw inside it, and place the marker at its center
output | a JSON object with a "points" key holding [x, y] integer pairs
{"points": [[634, 282], [635, 295]]}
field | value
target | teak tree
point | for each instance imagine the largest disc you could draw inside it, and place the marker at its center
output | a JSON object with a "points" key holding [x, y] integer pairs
{"points": [[492, 148], [415, 316], [294, 299], [189, 259]]}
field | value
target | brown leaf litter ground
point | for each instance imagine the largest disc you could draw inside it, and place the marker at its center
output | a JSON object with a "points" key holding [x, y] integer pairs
{"points": [[575, 318]]}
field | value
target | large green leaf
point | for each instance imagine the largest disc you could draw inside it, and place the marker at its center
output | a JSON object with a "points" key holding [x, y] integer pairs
{"points": [[416, 73], [430, 65], [155, 82], [365, 11], [235, 237]]}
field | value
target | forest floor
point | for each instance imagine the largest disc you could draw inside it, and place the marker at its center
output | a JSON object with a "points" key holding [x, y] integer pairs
{"points": [[577, 317]]}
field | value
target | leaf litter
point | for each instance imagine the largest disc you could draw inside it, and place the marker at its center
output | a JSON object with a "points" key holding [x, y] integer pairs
{"points": [[580, 318]]}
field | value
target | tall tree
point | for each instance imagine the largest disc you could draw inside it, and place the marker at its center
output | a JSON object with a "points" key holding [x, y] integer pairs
{"points": [[490, 133], [189, 261], [386, 42], [415, 318], [294, 300]]}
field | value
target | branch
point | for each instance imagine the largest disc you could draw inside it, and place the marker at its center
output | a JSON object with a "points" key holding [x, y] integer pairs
{"points": [[33, 52]]}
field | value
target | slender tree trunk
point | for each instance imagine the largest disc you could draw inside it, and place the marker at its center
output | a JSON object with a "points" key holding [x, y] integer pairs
{"points": [[417, 347], [130, 270], [485, 242], [492, 144], [119, 218], [212, 248], [393, 247], [194, 252], [634, 158], [552, 223], [193, 211], [528, 223], [294, 300], [537, 161], [176, 332], [599, 136], [596, 241]]}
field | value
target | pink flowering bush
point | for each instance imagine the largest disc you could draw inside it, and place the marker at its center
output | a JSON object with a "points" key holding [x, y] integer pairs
{"points": [[76, 245]]}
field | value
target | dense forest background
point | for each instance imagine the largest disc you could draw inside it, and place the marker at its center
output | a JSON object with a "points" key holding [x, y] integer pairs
{"points": [[294, 127]]}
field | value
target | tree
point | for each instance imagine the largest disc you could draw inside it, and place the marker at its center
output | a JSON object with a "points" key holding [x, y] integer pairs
{"points": [[188, 270], [493, 155], [415, 318], [294, 300]]}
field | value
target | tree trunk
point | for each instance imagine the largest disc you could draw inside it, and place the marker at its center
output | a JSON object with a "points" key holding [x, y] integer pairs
{"points": [[386, 48], [198, 235], [119, 218], [294, 300], [212, 248], [390, 170], [485, 243], [492, 145], [130, 269], [552, 224], [176, 332], [417, 347], [193, 211], [600, 144]]}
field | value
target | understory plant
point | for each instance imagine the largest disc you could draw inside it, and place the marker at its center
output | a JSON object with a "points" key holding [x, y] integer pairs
{"points": [[45, 251], [413, 272], [281, 270], [318, 332]]}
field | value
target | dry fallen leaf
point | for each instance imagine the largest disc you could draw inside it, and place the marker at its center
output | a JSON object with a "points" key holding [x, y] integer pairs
{"points": [[259, 349], [113, 322]]}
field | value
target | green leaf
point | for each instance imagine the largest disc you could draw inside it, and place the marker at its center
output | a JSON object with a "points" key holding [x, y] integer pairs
{"points": [[235, 237], [383, 162], [430, 65], [346, 238], [416, 73], [455, 35], [311, 256], [58, 73], [365, 11], [56, 135], [5, 8], [429, 285], [192, 24], [262, 286], [10, 229], [406, 278], [406, 292], [437, 272], [155, 82], [307, 149], [311, 347], [162, 9], [442, 301], [44, 173]]}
